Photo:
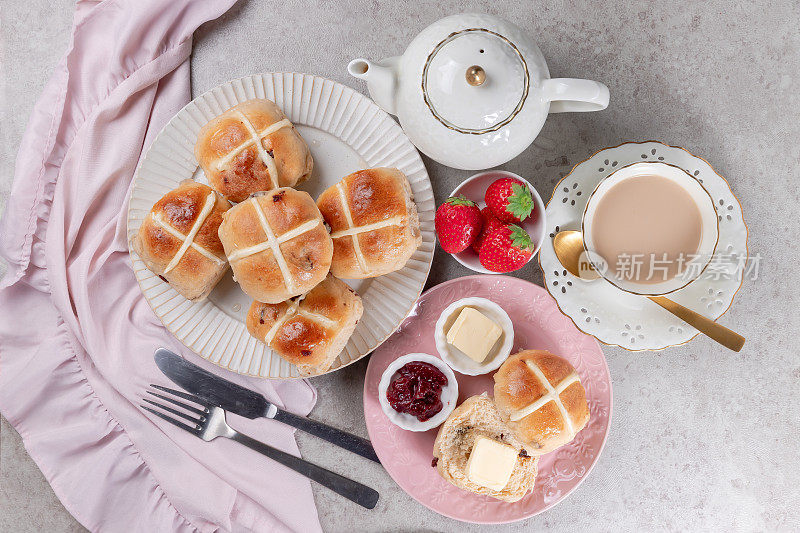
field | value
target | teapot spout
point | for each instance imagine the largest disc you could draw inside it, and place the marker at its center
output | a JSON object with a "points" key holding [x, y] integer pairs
{"points": [[381, 78]]}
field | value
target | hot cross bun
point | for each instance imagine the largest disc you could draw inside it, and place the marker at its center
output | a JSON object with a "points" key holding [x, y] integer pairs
{"points": [[374, 223], [252, 147], [178, 239], [311, 330], [277, 244], [541, 397]]}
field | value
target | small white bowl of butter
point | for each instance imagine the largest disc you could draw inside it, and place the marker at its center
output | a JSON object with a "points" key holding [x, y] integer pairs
{"points": [[464, 337]]}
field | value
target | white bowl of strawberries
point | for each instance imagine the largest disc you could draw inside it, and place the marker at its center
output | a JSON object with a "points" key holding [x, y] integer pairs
{"points": [[493, 222]]}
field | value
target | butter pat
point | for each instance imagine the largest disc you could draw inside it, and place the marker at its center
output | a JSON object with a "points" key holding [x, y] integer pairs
{"points": [[474, 334], [491, 463]]}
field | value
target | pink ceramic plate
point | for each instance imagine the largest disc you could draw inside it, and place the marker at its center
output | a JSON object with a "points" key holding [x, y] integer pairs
{"points": [[538, 324]]}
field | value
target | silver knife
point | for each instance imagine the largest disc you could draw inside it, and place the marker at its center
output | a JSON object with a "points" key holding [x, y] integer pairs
{"points": [[250, 404]]}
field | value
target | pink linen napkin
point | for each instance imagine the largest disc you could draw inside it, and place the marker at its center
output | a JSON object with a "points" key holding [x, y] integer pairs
{"points": [[76, 335]]}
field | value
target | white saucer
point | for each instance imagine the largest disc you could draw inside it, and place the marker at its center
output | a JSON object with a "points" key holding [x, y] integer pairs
{"points": [[633, 322]]}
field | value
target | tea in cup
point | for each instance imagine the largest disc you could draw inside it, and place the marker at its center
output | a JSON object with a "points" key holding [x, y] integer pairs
{"points": [[650, 228]]}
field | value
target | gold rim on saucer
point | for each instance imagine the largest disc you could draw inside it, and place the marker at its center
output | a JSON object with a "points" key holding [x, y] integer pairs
{"points": [[744, 224]]}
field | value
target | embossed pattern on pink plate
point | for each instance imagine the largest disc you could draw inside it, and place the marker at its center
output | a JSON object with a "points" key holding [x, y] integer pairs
{"points": [[538, 324]]}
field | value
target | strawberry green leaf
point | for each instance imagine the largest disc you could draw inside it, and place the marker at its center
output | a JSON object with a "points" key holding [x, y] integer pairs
{"points": [[520, 202], [520, 238], [459, 200]]}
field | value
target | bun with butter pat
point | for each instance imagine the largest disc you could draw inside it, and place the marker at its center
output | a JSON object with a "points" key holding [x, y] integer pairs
{"points": [[476, 418]]}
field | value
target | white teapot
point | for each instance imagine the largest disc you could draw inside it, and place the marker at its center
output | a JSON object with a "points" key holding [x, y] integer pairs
{"points": [[473, 91]]}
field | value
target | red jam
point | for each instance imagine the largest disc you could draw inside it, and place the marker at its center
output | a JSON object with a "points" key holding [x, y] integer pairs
{"points": [[417, 390]]}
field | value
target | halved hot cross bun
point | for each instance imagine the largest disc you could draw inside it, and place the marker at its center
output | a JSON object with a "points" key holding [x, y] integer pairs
{"points": [[374, 223], [277, 244], [311, 330], [178, 239], [252, 147], [477, 417], [541, 397]]}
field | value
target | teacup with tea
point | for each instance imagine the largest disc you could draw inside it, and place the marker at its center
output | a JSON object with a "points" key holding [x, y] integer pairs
{"points": [[650, 228]]}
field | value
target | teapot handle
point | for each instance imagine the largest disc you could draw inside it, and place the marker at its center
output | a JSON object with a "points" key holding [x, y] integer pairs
{"points": [[569, 95]]}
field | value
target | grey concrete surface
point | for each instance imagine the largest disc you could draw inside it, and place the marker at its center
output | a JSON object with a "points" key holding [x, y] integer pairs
{"points": [[701, 439]]}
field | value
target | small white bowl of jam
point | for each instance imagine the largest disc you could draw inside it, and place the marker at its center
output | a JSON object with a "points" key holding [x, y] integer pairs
{"points": [[418, 391]]}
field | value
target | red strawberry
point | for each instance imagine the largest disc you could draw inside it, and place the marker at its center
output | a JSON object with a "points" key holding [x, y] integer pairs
{"points": [[506, 249], [510, 200], [458, 224], [490, 223]]}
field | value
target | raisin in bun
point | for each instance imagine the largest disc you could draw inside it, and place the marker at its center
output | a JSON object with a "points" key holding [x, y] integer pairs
{"points": [[277, 244], [374, 223], [541, 397], [311, 330], [478, 416], [178, 239], [252, 147]]}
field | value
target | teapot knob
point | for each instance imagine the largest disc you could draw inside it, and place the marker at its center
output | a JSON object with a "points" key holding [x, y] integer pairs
{"points": [[476, 75]]}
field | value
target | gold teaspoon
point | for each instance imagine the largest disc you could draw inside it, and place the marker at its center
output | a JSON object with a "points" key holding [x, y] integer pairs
{"points": [[569, 248]]}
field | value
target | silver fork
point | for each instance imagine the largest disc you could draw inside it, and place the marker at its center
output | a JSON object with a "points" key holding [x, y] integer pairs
{"points": [[208, 423]]}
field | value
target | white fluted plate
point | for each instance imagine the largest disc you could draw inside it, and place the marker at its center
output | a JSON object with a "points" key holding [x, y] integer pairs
{"points": [[345, 132]]}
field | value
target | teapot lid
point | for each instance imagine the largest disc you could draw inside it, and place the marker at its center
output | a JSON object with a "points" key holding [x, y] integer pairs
{"points": [[475, 81]]}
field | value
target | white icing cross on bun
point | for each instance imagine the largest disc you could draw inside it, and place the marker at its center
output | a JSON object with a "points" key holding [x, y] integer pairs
{"points": [[255, 139], [354, 230], [542, 398], [188, 240], [274, 242]]}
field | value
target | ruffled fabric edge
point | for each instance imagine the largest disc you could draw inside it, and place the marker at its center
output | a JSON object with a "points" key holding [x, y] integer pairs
{"points": [[76, 432], [84, 437], [60, 418]]}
